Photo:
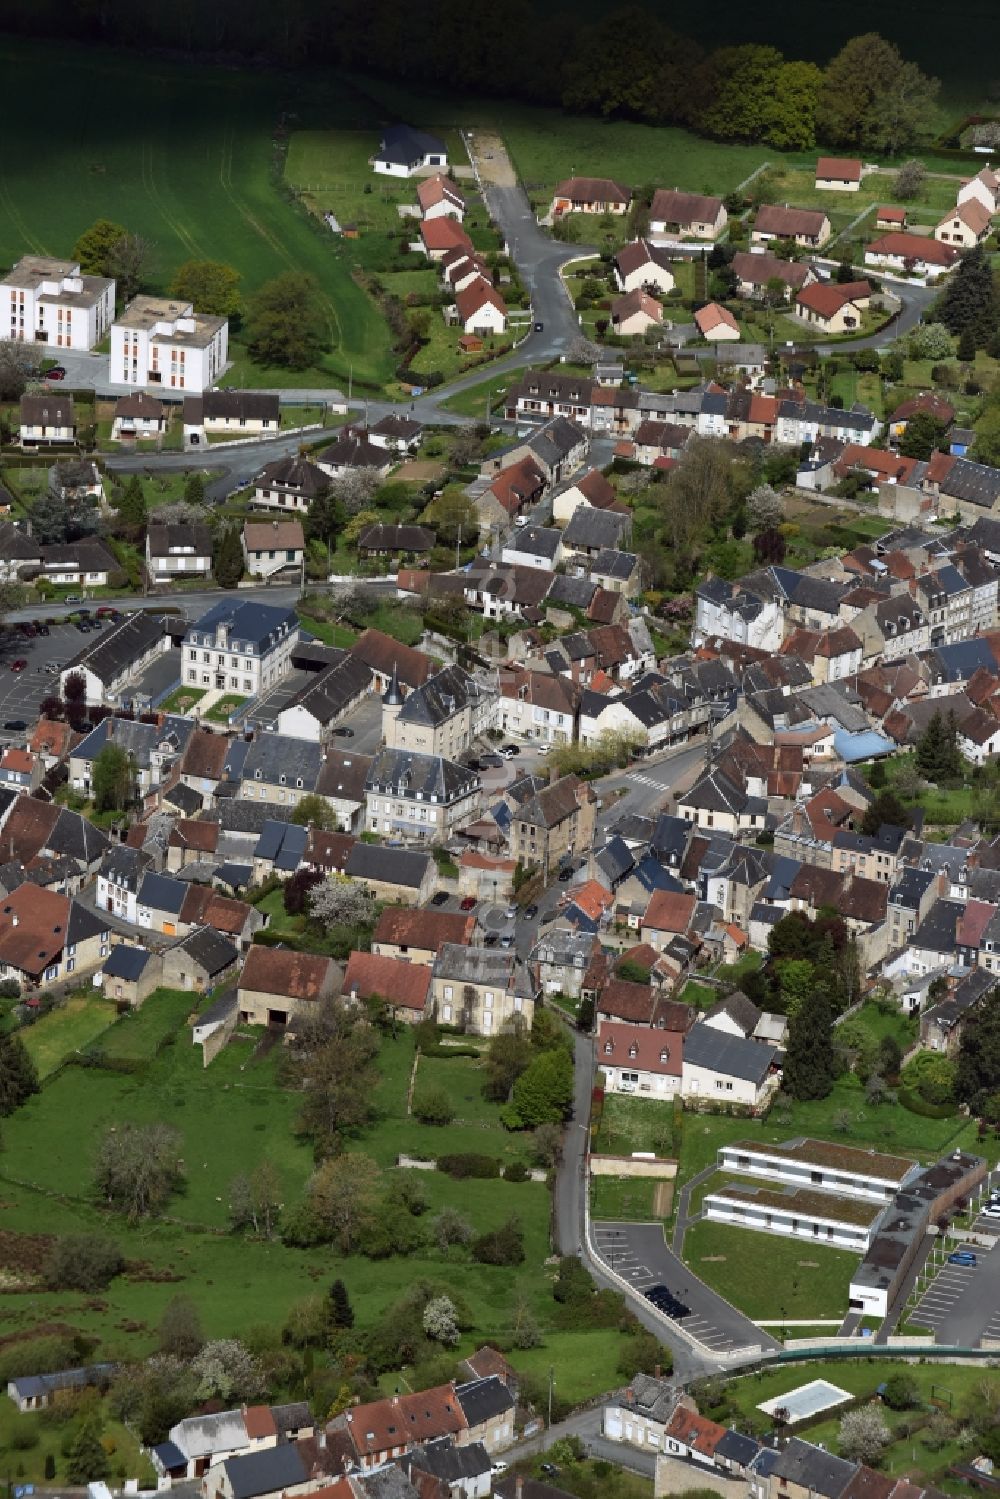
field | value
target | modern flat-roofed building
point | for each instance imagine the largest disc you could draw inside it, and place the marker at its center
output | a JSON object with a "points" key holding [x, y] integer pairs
{"points": [[50, 302], [163, 342], [798, 1213], [821, 1165]]}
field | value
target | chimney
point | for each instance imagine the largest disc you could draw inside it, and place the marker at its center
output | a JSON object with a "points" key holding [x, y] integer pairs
{"points": [[942, 882], [519, 1485], [798, 819]]}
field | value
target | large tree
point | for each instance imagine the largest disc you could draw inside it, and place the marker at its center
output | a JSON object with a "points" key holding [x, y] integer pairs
{"points": [[19, 364], [210, 285], [923, 435], [288, 322], [544, 1091], [343, 1195], [315, 811], [937, 755], [977, 1075], [227, 559], [113, 779], [93, 248], [810, 1067], [970, 303], [871, 99], [132, 504], [18, 1075], [510, 1053], [139, 1167], [128, 263]]}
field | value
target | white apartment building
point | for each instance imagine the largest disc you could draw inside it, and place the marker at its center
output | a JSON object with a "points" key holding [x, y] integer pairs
{"points": [[49, 302], [241, 647], [165, 343]]}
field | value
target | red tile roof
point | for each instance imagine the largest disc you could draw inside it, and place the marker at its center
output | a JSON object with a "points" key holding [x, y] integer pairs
{"points": [[827, 298], [478, 294], [627, 1001], [696, 1432], [444, 234], [639, 1047], [438, 189], [381, 653], [405, 926], [914, 247], [517, 484], [405, 1420], [404, 985], [669, 911], [292, 975], [838, 169], [714, 316], [32, 927], [259, 1421]]}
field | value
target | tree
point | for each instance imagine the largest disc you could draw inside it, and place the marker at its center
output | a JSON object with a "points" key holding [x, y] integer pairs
{"points": [[544, 1092], [977, 1074], [440, 1321], [355, 489], [209, 285], [901, 1391], [314, 811], [930, 341], [810, 1067], [255, 1200], [500, 1246], [871, 98], [341, 1311], [128, 262], [138, 1167], [450, 1227], [288, 322], [226, 1370], [937, 755], [83, 1262], [789, 114], [966, 349], [432, 1105], [358, 525], [509, 1055], [451, 513], [20, 363], [764, 508], [342, 902], [886, 808], [93, 248], [227, 559], [343, 1194], [194, 489], [923, 433], [87, 1461], [295, 894], [180, 1333], [18, 1075], [863, 1435], [132, 504], [796, 978], [112, 780], [49, 519], [970, 302], [910, 179], [547, 1144]]}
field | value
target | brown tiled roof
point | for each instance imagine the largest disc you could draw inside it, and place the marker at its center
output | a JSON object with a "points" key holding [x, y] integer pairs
{"points": [[139, 404], [669, 911], [554, 803], [627, 1001], [773, 218], [714, 316], [479, 293], [517, 484], [487, 1361], [927, 400], [205, 755], [392, 979], [259, 1421], [438, 189], [914, 247], [540, 688], [189, 833], [273, 535], [404, 926], [32, 927], [639, 253], [973, 214], [328, 850], [695, 1431], [827, 298], [293, 975], [51, 738], [639, 1047], [596, 489], [28, 828], [636, 301], [444, 234], [47, 410], [593, 190], [674, 207], [204, 906], [839, 168], [758, 270], [405, 1420], [381, 653]]}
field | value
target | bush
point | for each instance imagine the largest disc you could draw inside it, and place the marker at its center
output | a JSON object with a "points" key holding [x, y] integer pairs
{"points": [[23, 1434], [515, 1171], [83, 1262], [500, 1246], [460, 1166], [431, 1105]]}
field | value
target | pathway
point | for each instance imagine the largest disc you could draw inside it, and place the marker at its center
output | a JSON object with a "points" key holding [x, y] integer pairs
{"points": [[683, 1198]]}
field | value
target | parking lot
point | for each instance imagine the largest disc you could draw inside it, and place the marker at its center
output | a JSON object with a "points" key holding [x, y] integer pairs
{"points": [[962, 1303], [21, 692], [638, 1253]]}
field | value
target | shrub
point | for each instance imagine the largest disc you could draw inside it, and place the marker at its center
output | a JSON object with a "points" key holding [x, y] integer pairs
{"points": [[466, 1164], [431, 1105], [83, 1262], [515, 1171], [500, 1246]]}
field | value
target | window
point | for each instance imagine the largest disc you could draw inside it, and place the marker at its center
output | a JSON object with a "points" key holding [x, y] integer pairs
{"points": [[448, 991]]}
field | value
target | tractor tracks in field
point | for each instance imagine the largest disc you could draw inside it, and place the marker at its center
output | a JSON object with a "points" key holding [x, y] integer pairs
{"points": [[14, 214], [152, 191]]}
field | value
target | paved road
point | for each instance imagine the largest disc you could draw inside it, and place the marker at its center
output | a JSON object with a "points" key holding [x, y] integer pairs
{"points": [[647, 784]]}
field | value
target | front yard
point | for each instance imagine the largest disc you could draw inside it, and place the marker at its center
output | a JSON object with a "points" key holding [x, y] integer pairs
{"points": [[222, 710], [631, 1124], [183, 699]]}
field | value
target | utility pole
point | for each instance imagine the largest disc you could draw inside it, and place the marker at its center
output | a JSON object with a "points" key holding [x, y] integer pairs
{"points": [[350, 382], [458, 547], [552, 1376]]}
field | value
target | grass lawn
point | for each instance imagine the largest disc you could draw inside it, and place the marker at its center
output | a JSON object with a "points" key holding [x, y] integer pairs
{"points": [[471, 401], [769, 1276], [404, 625], [208, 194], [221, 710], [630, 1124], [622, 1199], [879, 1023], [71, 1027], [328, 633], [127, 1452], [462, 1079], [701, 995], [592, 1476], [183, 700], [137, 1034], [943, 806], [161, 488]]}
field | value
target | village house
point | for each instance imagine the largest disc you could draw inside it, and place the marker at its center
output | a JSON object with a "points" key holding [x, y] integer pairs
{"points": [[554, 825], [46, 936], [178, 549], [639, 1059], [484, 990], [838, 174], [290, 483], [542, 394], [589, 195], [689, 215], [391, 873], [634, 313], [515, 488], [440, 236], [399, 434], [159, 341], [404, 987], [50, 302], [537, 705], [920, 253], [807, 227], [965, 225], [417, 797], [591, 488], [273, 547], [353, 449], [20, 770], [138, 416], [46, 418], [34, 1392], [832, 307], [480, 308], [440, 198], [414, 936], [984, 188], [756, 273], [640, 266], [715, 322], [278, 985], [442, 717], [250, 413], [404, 151]]}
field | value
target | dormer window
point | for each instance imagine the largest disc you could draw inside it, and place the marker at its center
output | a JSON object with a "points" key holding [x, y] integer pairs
{"points": [[633, 1050], [256, 775], [665, 1055], [609, 1047]]}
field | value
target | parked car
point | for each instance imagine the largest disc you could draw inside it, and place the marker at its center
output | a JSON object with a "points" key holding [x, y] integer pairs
{"points": [[498, 1469], [16, 725], [962, 1257], [28, 629], [509, 751], [73, 598], [543, 749], [507, 939], [531, 911], [468, 904], [992, 1210], [343, 732], [491, 761], [565, 874], [83, 625], [43, 628], [19, 664], [57, 372], [491, 939], [439, 898]]}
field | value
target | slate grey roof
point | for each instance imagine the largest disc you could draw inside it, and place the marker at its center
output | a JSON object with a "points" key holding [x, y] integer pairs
{"points": [[814, 1468], [536, 541], [976, 483], [333, 690], [175, 538], [125, 866], [740, 1008], [126, 963], [484, 965], [594, 530], [280, 760], [209, 949], [728, 1055], [448, 1462], [737, 1448], [910, 887], [266, 1472], [612, 563], [654, 1398], [574, 593], [114, 651], [296, 475], [34, 1385], [253, 629], [937, 931], [484, 1399], [184, 798], [402, 145], [449, 691], [76, 837], [394, 866], [161, 893], [405, 773], [234, 815], [141, 740]]}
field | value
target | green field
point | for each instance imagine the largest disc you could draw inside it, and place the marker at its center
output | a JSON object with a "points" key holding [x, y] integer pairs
{"points": [[72, 1026], [138, 1034], [622, 1199], [630, 1124], [189, 158], [29, 1460], [768, 1276]]}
